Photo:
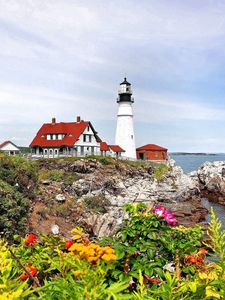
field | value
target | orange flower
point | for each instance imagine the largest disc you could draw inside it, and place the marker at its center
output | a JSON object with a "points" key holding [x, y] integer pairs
{"points": [[202, 251]]}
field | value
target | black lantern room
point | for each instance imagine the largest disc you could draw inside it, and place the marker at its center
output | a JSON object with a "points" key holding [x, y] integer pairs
{"points": [[125, 92]]}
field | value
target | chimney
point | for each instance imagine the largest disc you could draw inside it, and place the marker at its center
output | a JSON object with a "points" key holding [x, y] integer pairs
{"points": [[53, 121], [78, 119]]}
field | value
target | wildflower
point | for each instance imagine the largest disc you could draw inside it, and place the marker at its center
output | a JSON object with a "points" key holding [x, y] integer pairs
{"points": [[68, 244], [162, 212], [154, 280], [159, 210], [93, 252], [30, 239], [109, 257], [202, 252], [33, 272]]}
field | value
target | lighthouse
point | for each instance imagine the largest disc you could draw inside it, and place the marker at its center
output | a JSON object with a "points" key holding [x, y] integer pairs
{"points": [[125, 128]]}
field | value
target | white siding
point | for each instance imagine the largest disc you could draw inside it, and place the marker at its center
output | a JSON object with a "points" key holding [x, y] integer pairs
{"points": [[125, 130], [9, 147]]}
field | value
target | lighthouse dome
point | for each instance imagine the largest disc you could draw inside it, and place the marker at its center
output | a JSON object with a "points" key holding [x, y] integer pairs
{"points": [[125, 92]]}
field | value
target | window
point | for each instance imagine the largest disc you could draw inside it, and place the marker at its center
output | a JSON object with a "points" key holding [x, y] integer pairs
{"points": [[46, 151], [89, 138], [84, 138], [132, 137], [88, 129]]}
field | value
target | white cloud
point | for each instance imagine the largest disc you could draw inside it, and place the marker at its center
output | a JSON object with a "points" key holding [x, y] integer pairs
{"points": [[157, 108], [64, 58]]}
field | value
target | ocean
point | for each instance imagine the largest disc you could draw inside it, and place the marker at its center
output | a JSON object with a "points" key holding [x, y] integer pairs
{"points": [[191, 162]]}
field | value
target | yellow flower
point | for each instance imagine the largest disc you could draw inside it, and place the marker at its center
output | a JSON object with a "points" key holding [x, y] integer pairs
{"points": [[92, 259], [109, 257]]}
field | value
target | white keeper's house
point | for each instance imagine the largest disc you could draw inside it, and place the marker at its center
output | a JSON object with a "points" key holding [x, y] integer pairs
{"points": [[70, 139]]}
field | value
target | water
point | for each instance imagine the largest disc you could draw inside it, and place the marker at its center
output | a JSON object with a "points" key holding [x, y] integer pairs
{"points": [[218, 209], [192, 162]]}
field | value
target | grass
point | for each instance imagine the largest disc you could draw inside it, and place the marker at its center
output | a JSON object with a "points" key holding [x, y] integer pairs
{"points": [[59, 176], [97, 203], [160, 171]]}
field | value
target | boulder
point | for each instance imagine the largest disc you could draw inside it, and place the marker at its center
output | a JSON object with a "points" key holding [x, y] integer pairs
{"points": [[211, 176]]}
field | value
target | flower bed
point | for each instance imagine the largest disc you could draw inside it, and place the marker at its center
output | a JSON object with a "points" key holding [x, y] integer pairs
{"points": [[148, 258]]}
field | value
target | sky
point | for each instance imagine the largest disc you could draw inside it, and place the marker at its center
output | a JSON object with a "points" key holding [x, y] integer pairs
{"points": [[64, 58]]}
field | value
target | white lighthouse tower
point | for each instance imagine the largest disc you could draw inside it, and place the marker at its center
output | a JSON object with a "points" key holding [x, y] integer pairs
{"points": [[125, 129]]}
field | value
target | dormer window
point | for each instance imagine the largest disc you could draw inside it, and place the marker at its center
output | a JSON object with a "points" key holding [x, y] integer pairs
{"points": [[42, 136], [70, 135]]}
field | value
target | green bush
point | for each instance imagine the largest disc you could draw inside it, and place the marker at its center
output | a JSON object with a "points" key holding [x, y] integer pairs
{"points": [[104, 161], [19, 172], [14, 208]]}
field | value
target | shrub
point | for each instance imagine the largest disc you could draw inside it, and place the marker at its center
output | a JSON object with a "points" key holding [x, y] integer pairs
{"points": [[13, 211], [19, 172], [104, 161], [160, 171]]}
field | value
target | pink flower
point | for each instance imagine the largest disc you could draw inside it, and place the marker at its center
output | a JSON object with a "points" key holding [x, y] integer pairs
{"points": [[159, 210], [172, 221], [162, 212]]}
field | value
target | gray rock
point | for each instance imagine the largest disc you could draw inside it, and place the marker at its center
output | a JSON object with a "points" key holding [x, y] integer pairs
{"points": [[60, 198]]}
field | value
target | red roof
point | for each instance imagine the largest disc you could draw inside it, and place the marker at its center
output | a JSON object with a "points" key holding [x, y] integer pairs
{"points": [[151, 147], [71, 130], [104, 146], [4, 143], [116, 148]]}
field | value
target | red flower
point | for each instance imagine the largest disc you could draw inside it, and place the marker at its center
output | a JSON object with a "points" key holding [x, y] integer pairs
{"points": [[68, 244], [32, 270], [24, 277], [30, 239], [154, 280], [200, 260]]}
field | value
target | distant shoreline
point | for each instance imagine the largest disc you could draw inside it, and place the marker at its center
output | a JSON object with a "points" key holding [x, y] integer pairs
{"points": [[189, 153]]}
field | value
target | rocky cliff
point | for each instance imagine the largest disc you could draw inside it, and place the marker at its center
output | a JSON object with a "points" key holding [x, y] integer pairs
{"points": [[92, 192], [210, 180]]}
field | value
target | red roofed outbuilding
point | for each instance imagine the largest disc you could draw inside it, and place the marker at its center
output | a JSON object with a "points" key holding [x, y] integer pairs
{"points": [[111, 150], [151, 152], [66, 139]]}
